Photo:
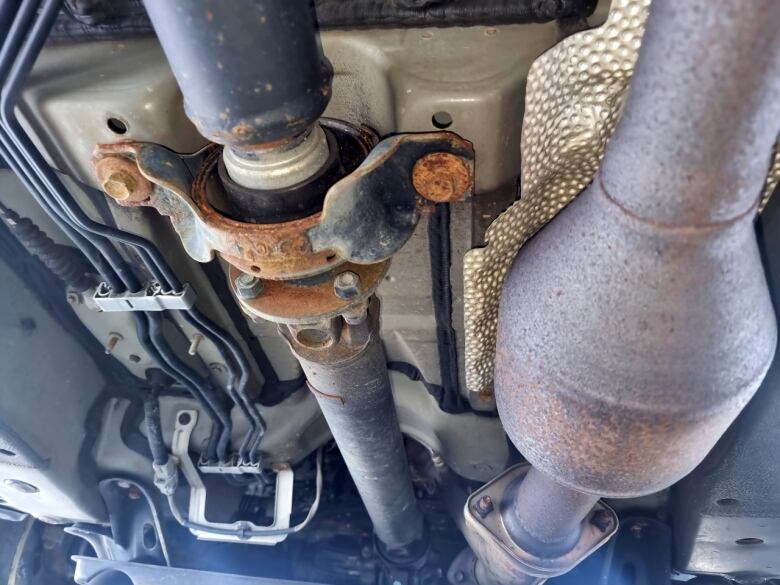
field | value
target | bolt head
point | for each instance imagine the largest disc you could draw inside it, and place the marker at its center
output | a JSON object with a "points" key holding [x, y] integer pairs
{"points": [[484, 506], [121, 179], [347, 285], [120, 185], [442, 177], [248, 286]]}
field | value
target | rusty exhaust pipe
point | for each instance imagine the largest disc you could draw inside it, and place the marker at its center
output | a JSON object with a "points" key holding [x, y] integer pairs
{"points": [[636, 326]]}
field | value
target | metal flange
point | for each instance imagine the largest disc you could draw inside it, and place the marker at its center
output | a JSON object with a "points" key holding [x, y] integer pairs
{"points": [[313, 299], [503, 558]]}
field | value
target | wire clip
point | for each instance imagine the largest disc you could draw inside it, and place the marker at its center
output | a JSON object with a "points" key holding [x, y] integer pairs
{"points": [[151, 298]]}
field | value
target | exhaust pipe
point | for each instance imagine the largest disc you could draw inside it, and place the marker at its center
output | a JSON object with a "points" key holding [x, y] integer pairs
{"points": [[637, 325]]}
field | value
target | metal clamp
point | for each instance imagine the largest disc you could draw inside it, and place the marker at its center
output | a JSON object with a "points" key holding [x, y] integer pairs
{"points": [[197, 507], [232, 467], [367, 216], [151, 298]]}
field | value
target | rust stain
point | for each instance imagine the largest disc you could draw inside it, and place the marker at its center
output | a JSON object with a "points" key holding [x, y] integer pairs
{"points": [[442, 177], [325, 394], [270, 251]]}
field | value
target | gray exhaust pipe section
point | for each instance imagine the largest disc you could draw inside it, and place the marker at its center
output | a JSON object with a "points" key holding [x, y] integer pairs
{"points": [[636, 326]]}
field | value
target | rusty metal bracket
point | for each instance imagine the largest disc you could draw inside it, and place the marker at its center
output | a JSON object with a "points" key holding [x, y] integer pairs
{"points": [[366, 217], [369, 215], [274, 251]]}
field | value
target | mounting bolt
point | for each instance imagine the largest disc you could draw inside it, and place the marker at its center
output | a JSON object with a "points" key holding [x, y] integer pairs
{"points": [[74, 298], [194, 343], [442, 177], [120, 179], [484, 506], [347, 285], [248, 286], [113, 339]]}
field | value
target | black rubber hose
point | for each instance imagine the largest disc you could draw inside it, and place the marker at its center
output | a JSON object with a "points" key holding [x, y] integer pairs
{"points": [[64, 262], [440, 254]]}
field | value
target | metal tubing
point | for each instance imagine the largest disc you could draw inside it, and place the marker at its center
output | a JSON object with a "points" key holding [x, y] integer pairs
{"points": [[251, 71], [544, 517], [356, 398]]}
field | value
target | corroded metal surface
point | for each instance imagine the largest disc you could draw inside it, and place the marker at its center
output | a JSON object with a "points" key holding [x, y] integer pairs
{"points": [[289, 301], [366, 217], [350, 380], [574, 98], [442, 177], [636, 326], [270, 251], [369, 215]]}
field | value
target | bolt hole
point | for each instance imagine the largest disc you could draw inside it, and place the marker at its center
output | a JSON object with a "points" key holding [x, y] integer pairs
{"points": [[134, 358], [441, 120], [116, 126], [330, 257], [747, 541], [7, 453], [149, 537], [727, 502], [184, 418], [254, 268]]}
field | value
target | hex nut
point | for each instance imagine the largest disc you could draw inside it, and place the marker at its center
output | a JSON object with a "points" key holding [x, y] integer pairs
{"points": [[248, 286], [347, 285]]}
